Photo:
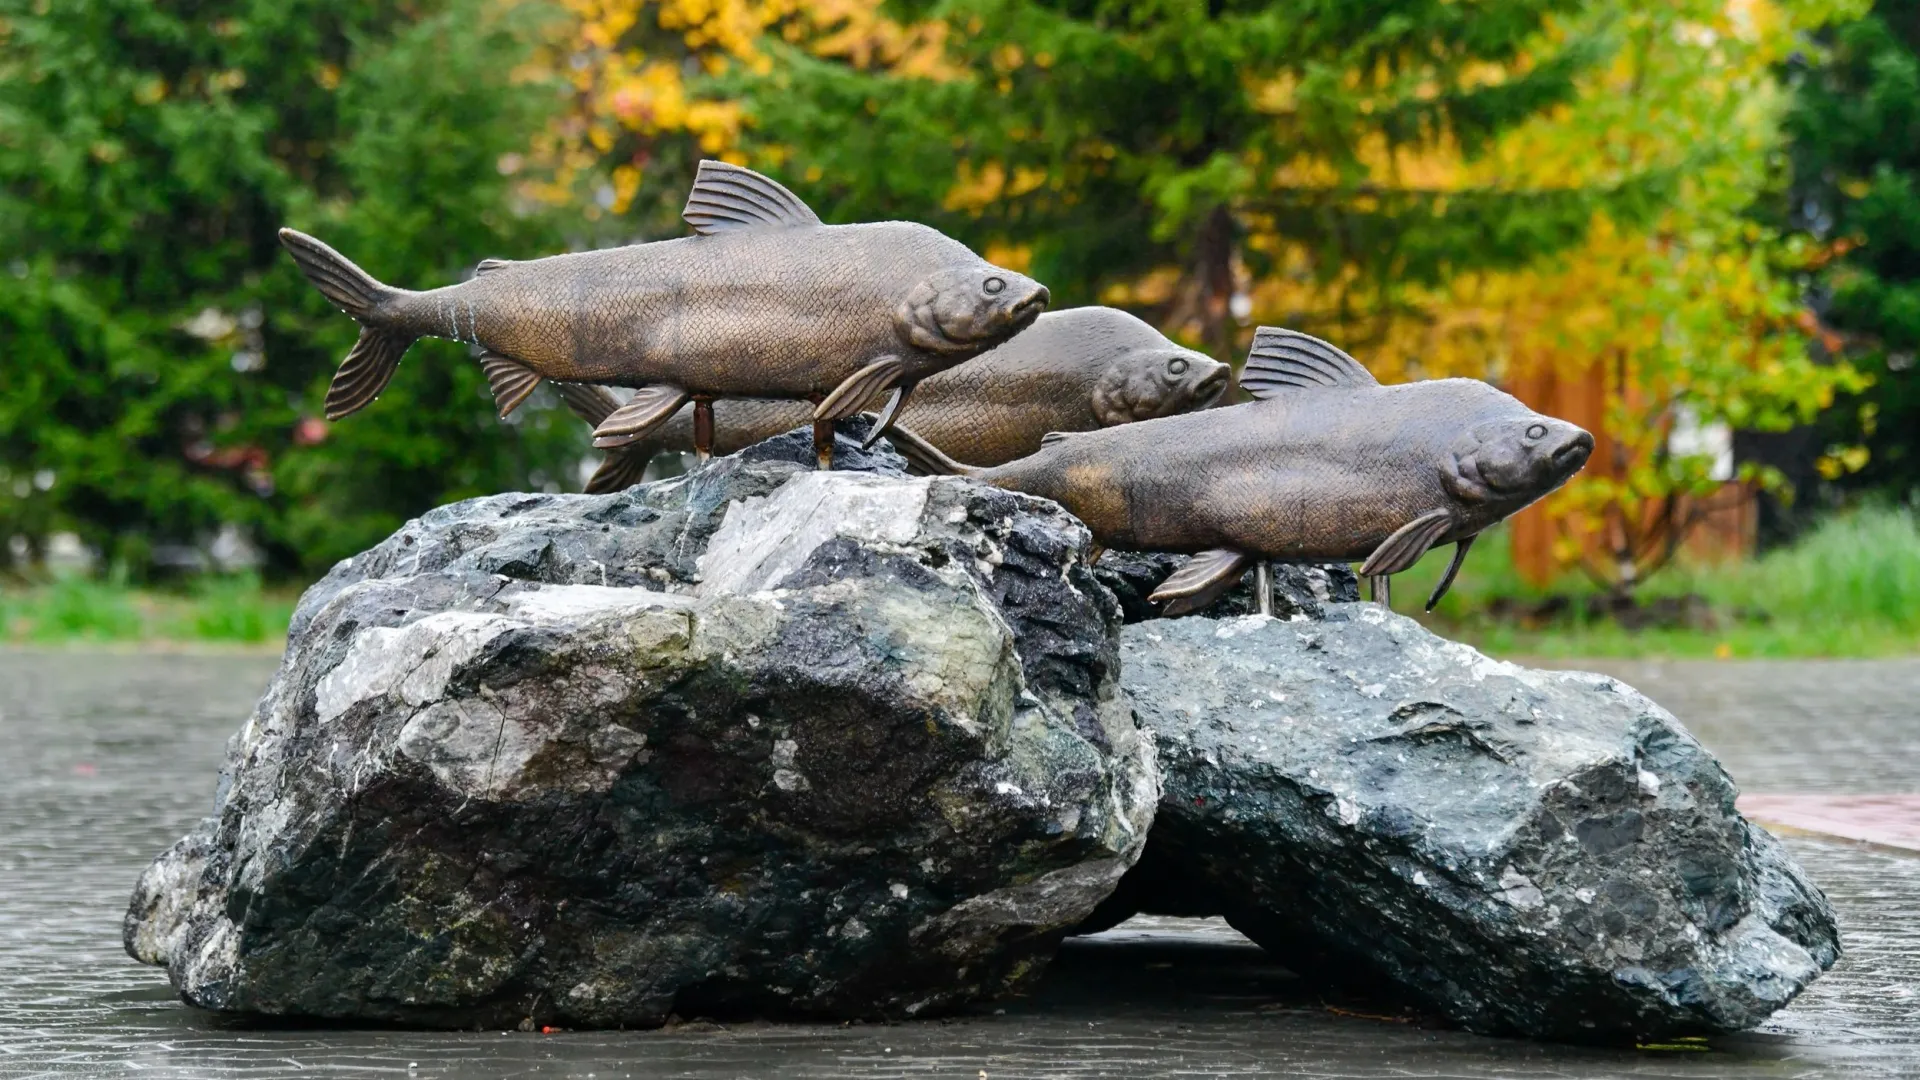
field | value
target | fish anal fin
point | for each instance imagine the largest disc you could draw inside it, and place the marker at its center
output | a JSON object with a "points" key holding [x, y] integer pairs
{"points": [[366, 371], [488, 266], [622, 469], [510, 380], [1283, 359], [1407, 544], [727, 197], [856, 389], [1453, 569], [649, 407], [1201, 581]]}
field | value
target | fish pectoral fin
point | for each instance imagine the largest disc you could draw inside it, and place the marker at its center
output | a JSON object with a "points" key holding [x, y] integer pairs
{"points": [[622, 469], [1201, 581], [727, 197], [588, 402], [649, 407], [1407, 544], [1453, 568], [884, 423], [857, 389], [1287, 359], [510, 380], [488, 266]]}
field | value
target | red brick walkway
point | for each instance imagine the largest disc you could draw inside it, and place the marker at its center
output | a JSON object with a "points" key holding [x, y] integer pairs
{"points": [[1888, 820]]}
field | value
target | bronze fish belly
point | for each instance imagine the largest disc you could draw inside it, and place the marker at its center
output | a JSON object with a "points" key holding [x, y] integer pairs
{"points": [[1327, 465], [1072, 370], [765, 301]]}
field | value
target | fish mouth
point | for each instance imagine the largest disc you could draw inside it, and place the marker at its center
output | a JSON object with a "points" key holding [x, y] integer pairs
{"points": [[1210, 388], [1570, 456], [1029, 308]]}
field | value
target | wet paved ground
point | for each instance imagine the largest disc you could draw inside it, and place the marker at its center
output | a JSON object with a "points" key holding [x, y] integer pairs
{"points": [[106, 759]]}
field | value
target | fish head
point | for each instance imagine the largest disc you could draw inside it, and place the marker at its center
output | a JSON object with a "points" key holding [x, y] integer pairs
{"points": [[1511, 461], [969, 309], [1145, 383]]}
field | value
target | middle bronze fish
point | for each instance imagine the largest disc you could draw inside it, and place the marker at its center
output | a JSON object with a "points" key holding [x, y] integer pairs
{"points": [[1329, 466], [1072, 370], [765, 302]]}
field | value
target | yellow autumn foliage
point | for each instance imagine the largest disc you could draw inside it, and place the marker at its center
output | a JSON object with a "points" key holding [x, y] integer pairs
{"points": [[1685, 315]]}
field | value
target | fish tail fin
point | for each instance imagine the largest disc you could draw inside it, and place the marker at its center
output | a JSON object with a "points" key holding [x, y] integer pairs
{"points": [[367, 369], [926, 457], [350, 288]]}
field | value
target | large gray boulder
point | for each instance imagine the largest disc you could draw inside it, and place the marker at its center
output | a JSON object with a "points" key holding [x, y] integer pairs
{"points": [[1535, 852], [752, 741]]}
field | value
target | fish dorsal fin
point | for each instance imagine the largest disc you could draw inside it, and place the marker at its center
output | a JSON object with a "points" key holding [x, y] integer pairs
{"points": [[726, 197], [1287, 359], [1052, 437], [488, 266]]}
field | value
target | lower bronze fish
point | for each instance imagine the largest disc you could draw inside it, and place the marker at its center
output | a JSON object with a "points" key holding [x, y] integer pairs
{"points": [[766, 301], [1072, 370], [1327, 466]]}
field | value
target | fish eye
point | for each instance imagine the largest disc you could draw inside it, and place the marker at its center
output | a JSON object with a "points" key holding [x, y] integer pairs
{"points": [[1177, 366], [994, 286], [1537, 431]]}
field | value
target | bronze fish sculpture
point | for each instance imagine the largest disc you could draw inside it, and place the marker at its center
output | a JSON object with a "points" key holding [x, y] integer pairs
{"points": [[1326, 466], [765, 301], [1072, 370]]}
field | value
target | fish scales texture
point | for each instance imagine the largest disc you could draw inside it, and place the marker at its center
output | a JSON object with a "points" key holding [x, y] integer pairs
{"points": [[1320, 475], [713, 313], [1072, 370]]}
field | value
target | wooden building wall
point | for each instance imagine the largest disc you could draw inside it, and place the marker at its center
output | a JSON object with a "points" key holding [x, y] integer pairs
{"points": [[1731, 514]]}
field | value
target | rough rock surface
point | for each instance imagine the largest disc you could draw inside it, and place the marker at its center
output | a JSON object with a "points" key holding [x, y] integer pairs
{"points": [[754, 740], [1535, 852], [1297, 590]]}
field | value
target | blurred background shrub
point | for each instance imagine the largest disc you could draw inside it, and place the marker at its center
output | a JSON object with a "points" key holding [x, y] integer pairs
{"points": [[1688, 225]]}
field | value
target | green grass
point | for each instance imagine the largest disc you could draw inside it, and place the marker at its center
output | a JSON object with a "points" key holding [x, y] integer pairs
{"points": [[1849, 588], [73, 608]]}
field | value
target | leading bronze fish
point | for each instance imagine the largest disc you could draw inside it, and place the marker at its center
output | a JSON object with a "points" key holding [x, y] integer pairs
{"points": [[766, 301], [1327, 466], [1072, 370]]}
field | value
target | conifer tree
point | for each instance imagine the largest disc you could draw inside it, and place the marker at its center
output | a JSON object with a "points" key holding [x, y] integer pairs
{"points": [[1855, 130], [164, 361], [1118, 141]]}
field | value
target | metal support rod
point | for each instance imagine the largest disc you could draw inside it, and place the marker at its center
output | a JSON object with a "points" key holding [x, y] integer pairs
{"points": [[703, 428], [1263, 587], [823, 444], [822, 438], [1380, 590]]}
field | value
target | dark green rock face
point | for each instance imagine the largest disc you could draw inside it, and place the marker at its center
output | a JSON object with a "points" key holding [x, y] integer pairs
{"points": [[1530, 852], [1303, 590], [753, 741]]}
